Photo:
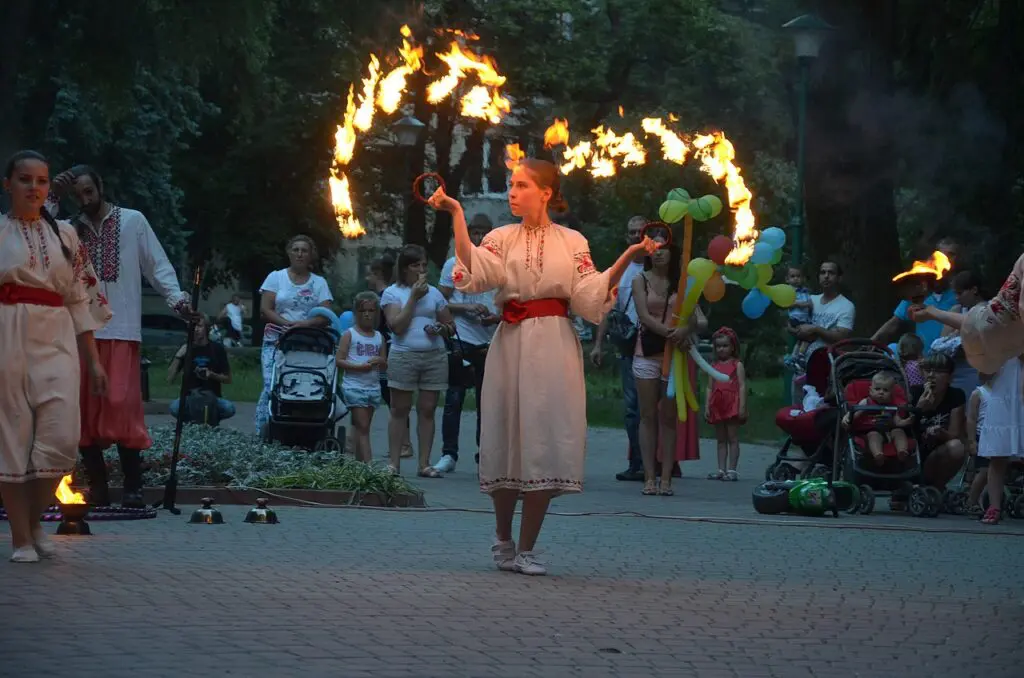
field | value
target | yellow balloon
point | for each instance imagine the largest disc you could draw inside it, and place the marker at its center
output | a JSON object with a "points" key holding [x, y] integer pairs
{"points": [[764, 274], [782, 295], [714, 288], [701, 269]]}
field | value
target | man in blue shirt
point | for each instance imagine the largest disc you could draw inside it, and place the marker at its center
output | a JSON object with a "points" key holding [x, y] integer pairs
{"points": [[943, 298]]}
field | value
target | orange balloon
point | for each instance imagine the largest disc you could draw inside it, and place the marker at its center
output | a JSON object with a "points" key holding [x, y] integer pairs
{"points": [[714, 288]]}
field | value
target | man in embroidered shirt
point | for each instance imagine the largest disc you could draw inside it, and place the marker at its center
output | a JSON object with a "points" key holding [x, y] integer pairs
{"points": [[123, 248]]}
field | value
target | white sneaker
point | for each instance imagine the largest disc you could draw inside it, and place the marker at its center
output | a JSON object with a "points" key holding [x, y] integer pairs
{"points": [[446, 464], [43, 544], [26, 554], [504, 555], [526, 562]]}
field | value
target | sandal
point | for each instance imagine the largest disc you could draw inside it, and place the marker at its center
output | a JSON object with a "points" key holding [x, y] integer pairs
{"points": [[976, 510], [666, 490], [717, 475], [649, 489], [992, 516], [429, 472], [731, 476]]}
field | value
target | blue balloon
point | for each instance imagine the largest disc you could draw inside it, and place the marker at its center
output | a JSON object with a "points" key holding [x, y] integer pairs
{"points": [[346, 320], [763, 253], [755, 304], [689, 284], [774, 237]]}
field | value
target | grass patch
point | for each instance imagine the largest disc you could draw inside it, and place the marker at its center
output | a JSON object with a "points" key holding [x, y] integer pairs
{"points": [[604, 394]]}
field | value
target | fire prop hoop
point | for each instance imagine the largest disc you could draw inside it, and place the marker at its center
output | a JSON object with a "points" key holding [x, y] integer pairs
{"points": [[417, 186], [659, 228]]}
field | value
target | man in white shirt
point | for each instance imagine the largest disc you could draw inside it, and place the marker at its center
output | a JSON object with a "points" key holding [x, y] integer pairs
{"points": [[832, 314], [123, 249], [476, 318], [233, 312], [624, 304]]}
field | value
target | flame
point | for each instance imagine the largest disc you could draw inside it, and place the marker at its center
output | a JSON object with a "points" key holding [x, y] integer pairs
{"points": [[459, 64], [513, 155], [557, 134], [342, 201], [392, 87], [364, 114], [673, 148], [716, 155], [65, 495], [481, 102], [937, 265], [602, 154], [345, 137]]}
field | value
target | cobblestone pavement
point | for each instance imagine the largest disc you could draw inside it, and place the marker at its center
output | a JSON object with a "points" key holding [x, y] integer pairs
{"points": [[411, 594]]}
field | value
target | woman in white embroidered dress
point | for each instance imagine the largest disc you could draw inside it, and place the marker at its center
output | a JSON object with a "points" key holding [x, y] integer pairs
{"points": [[534, 421], [48, 299]]}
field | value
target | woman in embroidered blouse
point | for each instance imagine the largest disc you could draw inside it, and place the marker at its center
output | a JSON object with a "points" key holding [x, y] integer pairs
{"points": [[534, 429], [49, 308]]}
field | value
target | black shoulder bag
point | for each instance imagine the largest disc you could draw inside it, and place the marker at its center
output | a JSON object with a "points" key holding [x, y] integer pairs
{"points": [[621, 329]]}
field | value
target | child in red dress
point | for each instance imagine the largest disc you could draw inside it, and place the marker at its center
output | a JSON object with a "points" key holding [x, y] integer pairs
{"points": [[726, 403]]}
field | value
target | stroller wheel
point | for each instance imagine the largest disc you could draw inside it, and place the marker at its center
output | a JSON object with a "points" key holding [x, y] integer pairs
{"points": [[955, 502], [867, 500], [783, 472], [771, 498], [1017, 507], [819, 471], [918, 502], [934, 501], [328, 444]]}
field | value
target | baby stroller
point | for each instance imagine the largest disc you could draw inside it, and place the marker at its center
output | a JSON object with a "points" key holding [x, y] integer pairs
{"points": [[854, 362], [305, 408], [807, 451]]}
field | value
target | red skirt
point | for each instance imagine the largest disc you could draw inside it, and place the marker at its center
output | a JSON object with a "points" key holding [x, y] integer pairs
{"points": [[118, 417]]}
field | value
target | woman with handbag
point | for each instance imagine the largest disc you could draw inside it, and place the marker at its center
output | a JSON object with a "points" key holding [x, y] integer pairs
{"points": [[654, 294]]}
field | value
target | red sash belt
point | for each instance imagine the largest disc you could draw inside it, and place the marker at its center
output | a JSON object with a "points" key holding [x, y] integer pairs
{"points": [[517, 311], [11, 294]]}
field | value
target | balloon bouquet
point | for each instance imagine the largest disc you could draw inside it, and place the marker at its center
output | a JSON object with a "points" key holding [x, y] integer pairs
{"points": [[707, 277]]}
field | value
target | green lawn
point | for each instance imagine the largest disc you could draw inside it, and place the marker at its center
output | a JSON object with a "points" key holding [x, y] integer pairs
{"points": [[604, 394]]}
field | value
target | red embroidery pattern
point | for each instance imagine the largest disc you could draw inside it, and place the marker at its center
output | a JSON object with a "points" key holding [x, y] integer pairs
{"points": [[560, 484], [584, 264], [492, 245], [1006, 304], [26, 232], [38, 473], [540, 248], [105, 246], [457, 276], [43, 250]]}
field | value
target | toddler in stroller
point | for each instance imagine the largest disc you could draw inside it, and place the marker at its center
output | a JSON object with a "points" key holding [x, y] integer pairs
{"points": [[885, 426]]}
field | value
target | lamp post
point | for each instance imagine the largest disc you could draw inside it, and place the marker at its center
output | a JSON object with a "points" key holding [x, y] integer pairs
{"points": [[408, 131], [809, 32]]}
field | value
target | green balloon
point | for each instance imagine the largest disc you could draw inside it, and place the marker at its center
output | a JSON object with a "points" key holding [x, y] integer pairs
{"points": [[679, 195], [705, 207], [734, 273], [777, 257], [764, 274], [672, 211], [749, 279], [701, 269]]}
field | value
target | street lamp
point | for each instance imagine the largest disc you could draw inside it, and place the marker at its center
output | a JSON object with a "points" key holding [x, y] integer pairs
{"points": [[408, 131], [809, 32]]}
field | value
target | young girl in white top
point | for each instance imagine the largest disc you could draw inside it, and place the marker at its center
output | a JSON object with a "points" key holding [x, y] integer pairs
{"points": [[362, 354], [976, 409]]}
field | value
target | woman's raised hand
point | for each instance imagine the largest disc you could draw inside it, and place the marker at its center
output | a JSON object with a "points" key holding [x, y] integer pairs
{"points": [[646, 246], [442, 202]]}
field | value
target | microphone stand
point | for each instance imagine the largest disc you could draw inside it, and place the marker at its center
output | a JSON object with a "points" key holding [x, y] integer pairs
{"points": [[171, 487]]}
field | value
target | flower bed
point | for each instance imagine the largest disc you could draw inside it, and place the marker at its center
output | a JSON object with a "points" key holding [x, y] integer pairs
{"points": [[222, 457]]}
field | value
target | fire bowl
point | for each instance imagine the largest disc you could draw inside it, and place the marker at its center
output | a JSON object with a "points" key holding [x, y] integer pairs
{"points": [[73, 519]]}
